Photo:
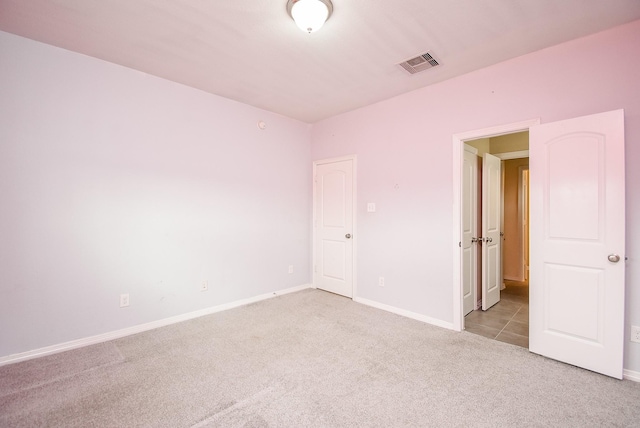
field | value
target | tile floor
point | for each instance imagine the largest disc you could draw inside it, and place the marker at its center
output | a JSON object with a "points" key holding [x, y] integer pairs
{"points": [[508, 320]]}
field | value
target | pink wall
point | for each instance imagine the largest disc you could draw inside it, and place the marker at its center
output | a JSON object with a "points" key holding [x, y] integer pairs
{"points": [[113, 181], [405, 160]]}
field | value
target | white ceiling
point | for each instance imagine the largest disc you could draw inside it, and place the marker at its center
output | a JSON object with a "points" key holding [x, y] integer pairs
{"points": [[252, 52]]}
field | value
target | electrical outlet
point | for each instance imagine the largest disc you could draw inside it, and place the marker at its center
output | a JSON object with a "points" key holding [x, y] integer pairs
{"points": [[635, 333], [381, 281], [124, 300], [204, 286], [290, 268]]}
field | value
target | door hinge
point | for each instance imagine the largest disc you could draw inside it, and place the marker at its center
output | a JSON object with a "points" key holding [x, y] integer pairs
{"points": [[460, 244]]}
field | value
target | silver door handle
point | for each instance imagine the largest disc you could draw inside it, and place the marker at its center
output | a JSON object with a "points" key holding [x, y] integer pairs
{"points": [[474, 240], [348, 236], [614, 258]]}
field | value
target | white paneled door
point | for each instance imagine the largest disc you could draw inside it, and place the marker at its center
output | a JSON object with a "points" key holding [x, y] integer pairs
{"points": [[469, 230], [491, 242], [333, 222], [577, 221]]}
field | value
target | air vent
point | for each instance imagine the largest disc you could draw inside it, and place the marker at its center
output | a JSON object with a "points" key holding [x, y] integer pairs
{"points": [[419, 63]]}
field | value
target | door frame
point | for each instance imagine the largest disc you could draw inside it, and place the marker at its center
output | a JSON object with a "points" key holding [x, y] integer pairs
{"points": [[354, 234], [458, 157], [523, 211], [522, 207]]}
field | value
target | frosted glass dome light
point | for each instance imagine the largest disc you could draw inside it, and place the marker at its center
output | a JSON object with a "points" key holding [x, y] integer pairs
{"points": [[310, 15]]}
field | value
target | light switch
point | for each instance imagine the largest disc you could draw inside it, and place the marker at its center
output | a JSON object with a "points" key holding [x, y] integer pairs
{"points": [[371, 207]]}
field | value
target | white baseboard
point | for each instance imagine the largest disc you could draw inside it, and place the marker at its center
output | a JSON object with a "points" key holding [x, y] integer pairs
{"points": [[405, 313], [79, 343], [631, 375], [627, 374]]}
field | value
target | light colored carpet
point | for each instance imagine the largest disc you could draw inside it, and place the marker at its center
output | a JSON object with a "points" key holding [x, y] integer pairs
{"points": [[308, 359]]}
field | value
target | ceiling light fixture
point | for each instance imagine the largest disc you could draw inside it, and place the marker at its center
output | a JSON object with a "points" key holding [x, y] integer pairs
{"points": [[309, 15]]}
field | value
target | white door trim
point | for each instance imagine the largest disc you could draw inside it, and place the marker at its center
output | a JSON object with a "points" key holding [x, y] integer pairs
{"points": [[470, 149], [523, 218], [353, 159], [512, 155], [458, 156]]}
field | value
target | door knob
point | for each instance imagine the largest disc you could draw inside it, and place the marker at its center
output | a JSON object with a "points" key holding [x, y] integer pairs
{"points": [[348, 236], [614, 258]]}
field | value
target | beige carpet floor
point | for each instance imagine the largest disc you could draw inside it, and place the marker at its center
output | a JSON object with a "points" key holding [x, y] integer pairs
{"points": [[309, 359]]}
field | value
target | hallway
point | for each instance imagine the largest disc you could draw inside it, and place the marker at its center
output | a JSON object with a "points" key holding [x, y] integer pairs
{"points": [[508, 320]]}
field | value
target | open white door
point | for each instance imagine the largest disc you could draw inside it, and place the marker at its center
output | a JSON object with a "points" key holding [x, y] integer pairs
{"points": [[491, 242], [333, 200], [577, 225], [469, 229]]}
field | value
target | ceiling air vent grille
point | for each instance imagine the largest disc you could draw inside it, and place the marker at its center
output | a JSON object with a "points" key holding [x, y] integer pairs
{"points": [[419, 63]]}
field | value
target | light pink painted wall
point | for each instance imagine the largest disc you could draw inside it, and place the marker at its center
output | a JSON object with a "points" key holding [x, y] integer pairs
{"points": [[113, 181], [405, 160]]}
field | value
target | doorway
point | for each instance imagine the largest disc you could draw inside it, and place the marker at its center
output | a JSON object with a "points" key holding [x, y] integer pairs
{"points": [[334, 219], [504, 314], [577, 298], [458, 155]]}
